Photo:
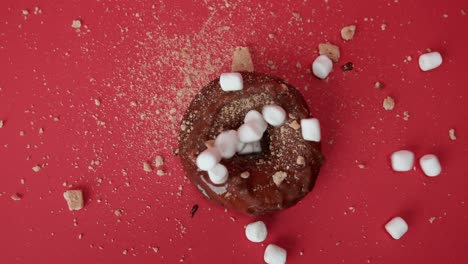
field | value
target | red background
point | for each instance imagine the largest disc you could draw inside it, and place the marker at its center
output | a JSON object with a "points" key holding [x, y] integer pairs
{"points": [[144, 59]]}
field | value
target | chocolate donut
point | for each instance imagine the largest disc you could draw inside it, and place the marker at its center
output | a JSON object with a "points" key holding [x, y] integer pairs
{"points": [[276, 178]]}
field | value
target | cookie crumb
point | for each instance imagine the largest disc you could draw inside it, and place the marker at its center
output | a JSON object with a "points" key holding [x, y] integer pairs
{"points": [[432, 219], [147, 167], [1, 123], [209, 143], [452, 134], [347, 33], [300, 160], [25, 12], [76, 24], [330, 50], [347, 66], [74, 199], [36, 168], [118, 212], [361, 166], [245, 175], [97, 102], [379, 85], [388, 103], [294, 125], [159, 161], [37, 10], [16, 197], [160, 173], [80, 236], [125, 252], [279, 177], [242, 60], [22, 181], [155, 249], [406, 116], [21, 133], [41, 131], [383, 27]]}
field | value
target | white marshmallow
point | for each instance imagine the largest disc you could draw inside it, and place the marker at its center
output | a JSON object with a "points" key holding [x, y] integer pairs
{"points": [[231, 81], [402, 160], [310, 128], [256, 231], [274, 254], [429, 61], [274, 115], [226, 143], [397, 227], [249, 148], [250, 131], [322, 66], [208, 159], [254, 115], [218, 174], [430, 165]]}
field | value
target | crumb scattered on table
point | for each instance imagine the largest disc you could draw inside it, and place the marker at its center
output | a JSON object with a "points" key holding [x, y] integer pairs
{"points": [[242, 60], [74, 199], [330, 50], [16, 197], [383, 27], [97, 102], [452, 135], [347, 33], [159, 161], [160, 173], [36, 168], [406, 116], [147, 167], [76, 24], [388, 103], [1, 123], [379, 85]]}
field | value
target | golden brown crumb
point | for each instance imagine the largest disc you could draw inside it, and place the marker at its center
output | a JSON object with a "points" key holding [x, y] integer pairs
{"points": [[242, 60], [279, 177], [74, 199], [388, 103], [245, 175], [330, 50], [347, 33], [159, 161], [300, 160], [295, 125], [452, 134], [209, 143], [147, 167], [16, 197]]}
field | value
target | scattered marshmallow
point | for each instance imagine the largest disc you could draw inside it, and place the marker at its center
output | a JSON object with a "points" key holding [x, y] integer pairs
{"points": [[429, 61], [274, 115], [226, 143], [231, 81], [274, 254], [397, 227], [256, 232], [208, 159], [254, 115], [218, 174], [249, 148], [402, 160], [430, 165], [322, 66], [310, 128], [250, 131], [74, 199]]}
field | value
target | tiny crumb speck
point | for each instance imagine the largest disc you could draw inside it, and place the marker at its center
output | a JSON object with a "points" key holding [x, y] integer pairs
{"points": [[383, 27], [160, 173], [159, 161], [147, 167], [432, 219], [125, 252], [80, 236], [76, 24], [452, 135], [1, 123], [379, 85], [388, 103], [16, 197], [41, 131], [36, 168], [97, 102]]}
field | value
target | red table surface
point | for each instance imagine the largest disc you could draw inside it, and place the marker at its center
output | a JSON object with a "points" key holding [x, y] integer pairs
{"points": [[144, 61]]}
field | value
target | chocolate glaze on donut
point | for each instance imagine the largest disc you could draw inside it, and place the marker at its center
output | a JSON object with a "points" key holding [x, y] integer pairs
{"points": [[214, 110]]}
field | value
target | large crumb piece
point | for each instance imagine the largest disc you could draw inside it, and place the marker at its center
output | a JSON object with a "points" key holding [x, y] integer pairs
{"points": [[76, 24], [347, 33], [159, 161], [330, 50], [242, 60], [16, 197], [147, 167], [452, 134], [74, 199], [279, 177], [388, 103]]}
